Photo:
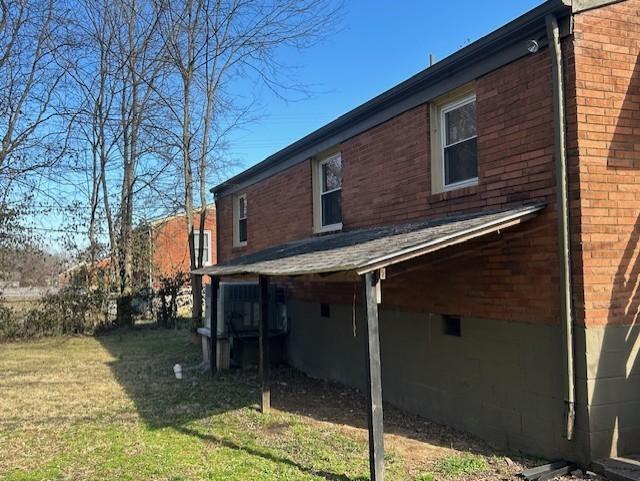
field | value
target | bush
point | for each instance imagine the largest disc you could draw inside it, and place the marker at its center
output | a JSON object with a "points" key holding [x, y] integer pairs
{"points": [[167, 297], [66, 312]]}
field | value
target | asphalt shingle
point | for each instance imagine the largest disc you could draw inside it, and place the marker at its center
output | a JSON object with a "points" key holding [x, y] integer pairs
{"points": [[366, 249]]}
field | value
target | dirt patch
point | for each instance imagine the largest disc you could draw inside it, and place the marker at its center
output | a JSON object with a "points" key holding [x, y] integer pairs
{"points": [[276, 429], [420, 443]]}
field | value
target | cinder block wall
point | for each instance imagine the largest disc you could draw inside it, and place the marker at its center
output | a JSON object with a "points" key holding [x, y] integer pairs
{"points": [[499, 380], [607, 220]]}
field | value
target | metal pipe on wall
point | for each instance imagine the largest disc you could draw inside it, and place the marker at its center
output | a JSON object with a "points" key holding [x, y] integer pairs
{"points": [[562, 202]]}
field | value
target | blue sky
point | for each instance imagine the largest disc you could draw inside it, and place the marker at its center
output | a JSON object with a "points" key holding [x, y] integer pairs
{"points": [[381, 43]]}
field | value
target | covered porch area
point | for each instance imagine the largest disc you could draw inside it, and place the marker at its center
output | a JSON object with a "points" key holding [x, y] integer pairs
{"points": [[367, 258]]}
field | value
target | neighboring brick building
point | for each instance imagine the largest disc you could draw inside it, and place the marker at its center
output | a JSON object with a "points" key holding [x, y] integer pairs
{"points": [[170, 244], [476, 335]]}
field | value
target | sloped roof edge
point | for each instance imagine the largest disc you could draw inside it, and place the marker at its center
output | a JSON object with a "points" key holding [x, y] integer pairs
{"points": [[366, 250], [500, 47]]}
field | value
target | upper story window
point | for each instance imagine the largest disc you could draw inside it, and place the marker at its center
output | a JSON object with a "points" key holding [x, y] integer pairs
{"points": [[206, 246], [240, 220], [460, 142], [328, 194], [454, 139]]}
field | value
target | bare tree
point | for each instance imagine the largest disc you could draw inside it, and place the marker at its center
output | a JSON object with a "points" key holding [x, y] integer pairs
{"points": [[94, 75], [140, 49], [119, 72], [33, 34], [209, 44], [153, 95]]}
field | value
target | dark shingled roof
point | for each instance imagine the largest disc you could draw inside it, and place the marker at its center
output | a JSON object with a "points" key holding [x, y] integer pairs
{"points": [[369, 249]]}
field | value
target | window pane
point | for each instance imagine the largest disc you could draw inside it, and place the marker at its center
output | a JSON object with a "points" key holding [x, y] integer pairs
{"points": [[242, 230], [242, 207], [332, 208], [332, 174], [461, 123], [461, 162], [205, 248]]}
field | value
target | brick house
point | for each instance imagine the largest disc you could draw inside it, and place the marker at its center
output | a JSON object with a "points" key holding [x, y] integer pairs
{"points": [[170, 244], [486, 212]]}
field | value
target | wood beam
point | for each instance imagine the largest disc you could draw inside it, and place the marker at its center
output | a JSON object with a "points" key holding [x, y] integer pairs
{"points": [[341, 277], [213, 316], [371, 285], [265, 400]]}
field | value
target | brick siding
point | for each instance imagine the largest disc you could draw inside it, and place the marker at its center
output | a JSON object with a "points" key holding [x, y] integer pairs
{"points": [[386, 180], [607, 72], [171, 245]]}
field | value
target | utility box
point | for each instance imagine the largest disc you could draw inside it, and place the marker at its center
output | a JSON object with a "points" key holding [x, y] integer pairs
{"points": [[239, 320]]}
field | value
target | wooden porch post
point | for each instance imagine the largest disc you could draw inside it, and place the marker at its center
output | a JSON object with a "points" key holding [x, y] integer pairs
{"points": [[371, 284], [265, 400], [213, 339]]}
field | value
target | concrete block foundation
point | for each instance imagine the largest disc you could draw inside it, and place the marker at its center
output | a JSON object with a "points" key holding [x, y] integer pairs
{"points": [[498, 380]]}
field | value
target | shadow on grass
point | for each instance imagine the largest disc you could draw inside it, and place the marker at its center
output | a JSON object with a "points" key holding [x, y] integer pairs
{"points": [[143, 362], [267, 456]]}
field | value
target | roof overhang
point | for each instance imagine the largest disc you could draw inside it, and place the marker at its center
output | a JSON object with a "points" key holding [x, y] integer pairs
{"points": [[499, 48], [578, 6], [361, 251]]}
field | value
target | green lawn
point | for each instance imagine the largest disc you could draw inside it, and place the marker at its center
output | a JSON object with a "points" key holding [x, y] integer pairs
{"points": [[109, 408]]}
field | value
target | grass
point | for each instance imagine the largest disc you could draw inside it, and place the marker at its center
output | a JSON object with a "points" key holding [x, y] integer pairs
{"points": [[109, 408], [456, 466], [452, 466]]}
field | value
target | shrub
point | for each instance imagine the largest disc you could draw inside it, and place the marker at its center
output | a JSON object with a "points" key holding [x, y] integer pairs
{"points": [[166, 306], [66, 312]]}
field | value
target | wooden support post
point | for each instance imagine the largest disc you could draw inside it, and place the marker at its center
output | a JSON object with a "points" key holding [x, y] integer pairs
{"points": [[371, 283], [265, 400], [213, 339]]}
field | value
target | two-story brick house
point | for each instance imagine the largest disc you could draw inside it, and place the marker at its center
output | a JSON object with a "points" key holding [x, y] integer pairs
{"points": [[169, 243], [493, 200]]}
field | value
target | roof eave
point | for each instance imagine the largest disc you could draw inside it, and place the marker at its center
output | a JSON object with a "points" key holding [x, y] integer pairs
{"points": [[479, 51], [396, 257]]}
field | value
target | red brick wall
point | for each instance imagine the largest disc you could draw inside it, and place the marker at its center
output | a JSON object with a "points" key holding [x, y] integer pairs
{"points": [[171, 245], [387, 170], [498, 277], [607, 49], [387, 180], [279, 210]]}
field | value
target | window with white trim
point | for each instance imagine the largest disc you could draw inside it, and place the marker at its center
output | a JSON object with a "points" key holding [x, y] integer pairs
{"points": [[206, 246], [240, 220], [454, 139], [328, 194]]}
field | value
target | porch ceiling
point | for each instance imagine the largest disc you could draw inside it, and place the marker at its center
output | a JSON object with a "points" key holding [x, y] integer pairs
{"points": [[365, 250]]}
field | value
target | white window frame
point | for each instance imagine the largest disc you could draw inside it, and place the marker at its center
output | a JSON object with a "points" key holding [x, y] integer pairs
{"points": [[317, 195], [237, 219], [446, 108], [438, 108], [208, 234]]}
